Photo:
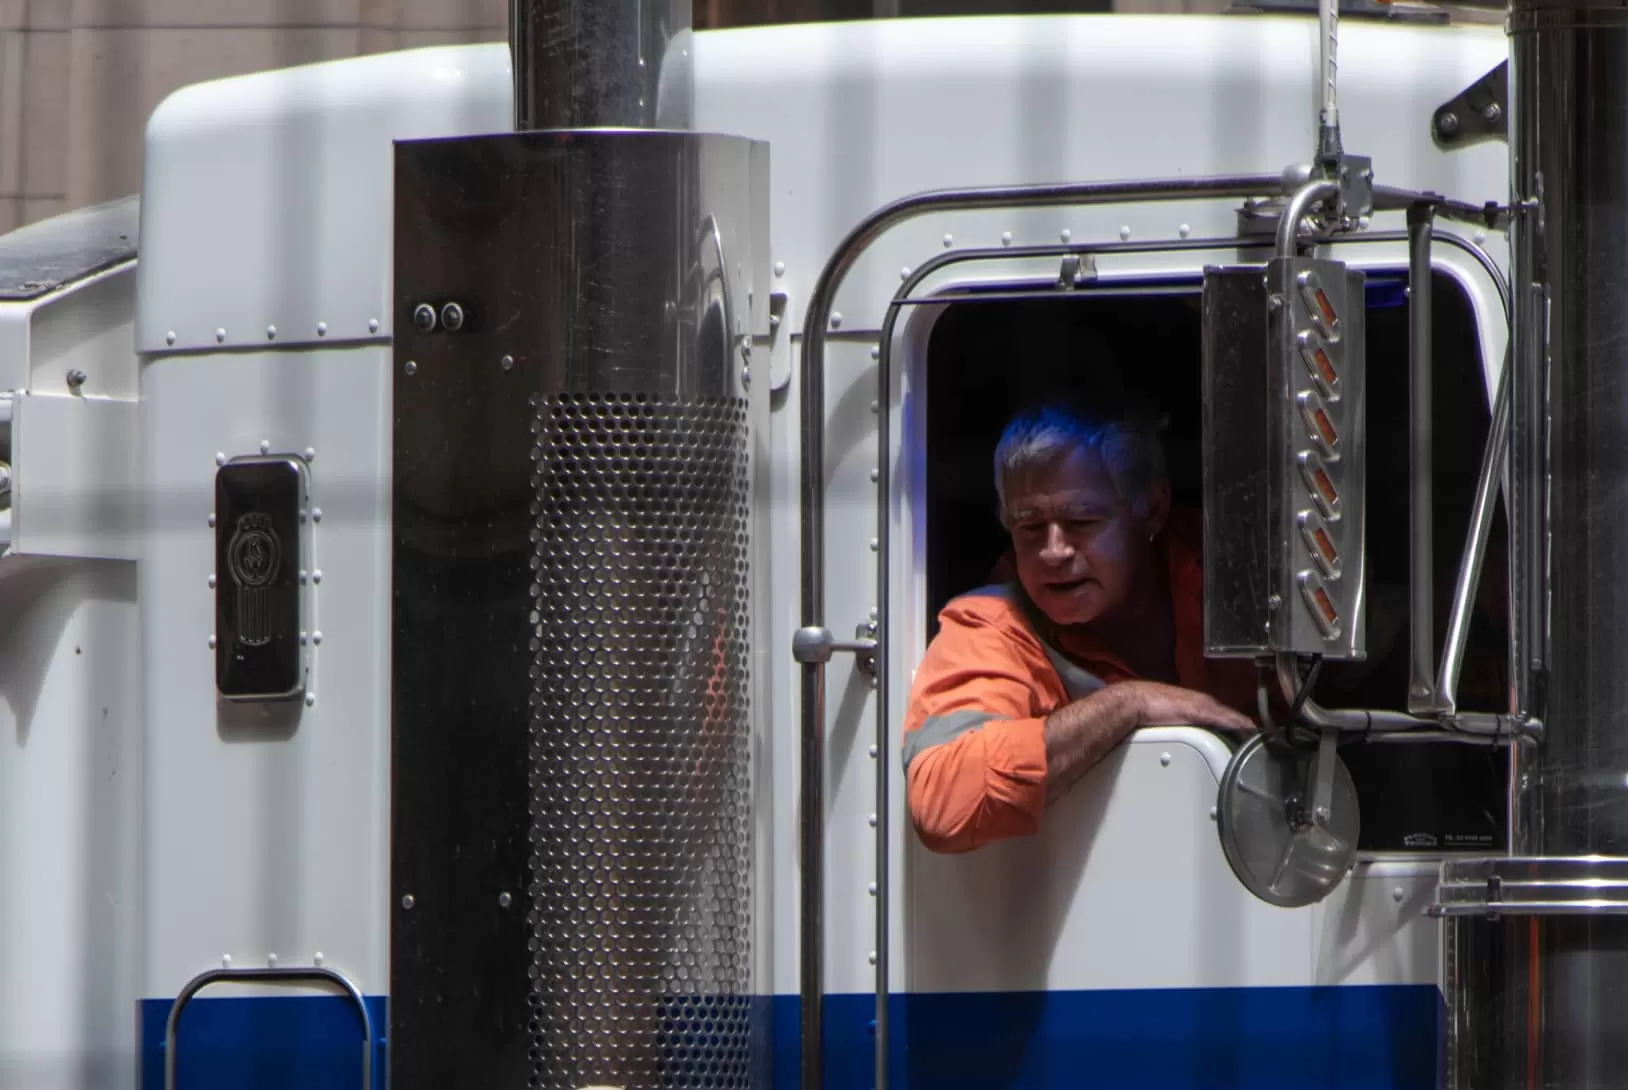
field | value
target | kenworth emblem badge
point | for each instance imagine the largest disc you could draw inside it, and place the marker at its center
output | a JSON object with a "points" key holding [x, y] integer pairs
{"points": [[254, 558]]}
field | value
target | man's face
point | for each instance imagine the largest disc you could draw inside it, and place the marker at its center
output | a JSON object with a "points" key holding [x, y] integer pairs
{"points": [[1079, 549]]}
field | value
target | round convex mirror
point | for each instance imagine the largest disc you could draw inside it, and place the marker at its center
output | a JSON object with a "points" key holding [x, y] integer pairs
{"points": [[1264, 815]]}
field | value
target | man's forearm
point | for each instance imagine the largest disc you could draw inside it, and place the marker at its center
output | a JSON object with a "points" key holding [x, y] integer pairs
{"points": [[1080, 734]]}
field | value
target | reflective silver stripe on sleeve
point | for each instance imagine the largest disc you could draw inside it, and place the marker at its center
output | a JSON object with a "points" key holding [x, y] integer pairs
{"points": [[935, 730]]}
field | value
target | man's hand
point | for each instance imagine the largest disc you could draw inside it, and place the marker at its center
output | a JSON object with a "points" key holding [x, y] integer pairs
{"points": [[1170, 706]]}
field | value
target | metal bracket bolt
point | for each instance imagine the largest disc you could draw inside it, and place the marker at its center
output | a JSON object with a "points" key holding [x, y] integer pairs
{"points": [[1476, 114], [1077, 269]]}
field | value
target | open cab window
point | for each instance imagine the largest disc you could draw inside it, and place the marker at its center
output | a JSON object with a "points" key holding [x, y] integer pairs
{"points": [[986, 359]]}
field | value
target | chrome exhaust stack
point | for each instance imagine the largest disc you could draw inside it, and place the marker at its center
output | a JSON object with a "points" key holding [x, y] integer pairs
{"points": [[576, 455], [1536, 942], [589, 64]]}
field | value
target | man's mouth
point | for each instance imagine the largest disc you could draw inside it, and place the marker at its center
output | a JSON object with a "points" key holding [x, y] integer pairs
{"points": [[1068, 586]]}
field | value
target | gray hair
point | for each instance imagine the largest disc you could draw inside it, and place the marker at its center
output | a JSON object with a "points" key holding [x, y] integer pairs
{"points": [[1124, 435]]}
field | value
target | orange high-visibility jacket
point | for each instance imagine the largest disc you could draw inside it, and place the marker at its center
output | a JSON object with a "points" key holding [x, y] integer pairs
{"points": [[974, 744]]}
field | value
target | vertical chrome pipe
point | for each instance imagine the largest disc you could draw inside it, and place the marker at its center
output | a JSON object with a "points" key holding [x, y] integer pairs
{"points": [[1546, 1011], [884, 634], [811, 773], [811, 834], [1528, 455], [1493, 461], [1569, 72], [603, 627], [581, 64], [522, 16], [1421, 543]]}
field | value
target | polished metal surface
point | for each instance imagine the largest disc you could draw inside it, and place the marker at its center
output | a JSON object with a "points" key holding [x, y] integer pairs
{"points": [[1494, 464], [1535, 954], [1318, 360], [1479, 112], [641, 872], [1532, 886], [811, 774], [1537, 944], [582, 64], [1283, 431], [1421, 480], [292, 976], [572, 565], [1379, 725], [1241, 481], [1295, 211], [1357, 720], [1289, 838], [259, 636], [1569, 72], [1534, 1002]]}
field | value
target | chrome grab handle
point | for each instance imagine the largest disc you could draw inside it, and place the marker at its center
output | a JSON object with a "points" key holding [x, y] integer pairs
{"points": [[815, 645], [277, 977]]}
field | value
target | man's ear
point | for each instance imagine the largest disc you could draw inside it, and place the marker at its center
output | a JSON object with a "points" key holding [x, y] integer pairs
{"points": [[1158, 508]]}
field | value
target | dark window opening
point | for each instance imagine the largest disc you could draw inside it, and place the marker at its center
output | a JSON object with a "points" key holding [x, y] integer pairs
{"points": [[986, 359]]}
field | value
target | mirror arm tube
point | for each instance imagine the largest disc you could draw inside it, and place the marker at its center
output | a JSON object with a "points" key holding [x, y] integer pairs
{"points": [[1422, 695], [1494, 458], [1359, 721], [1376, 722]]}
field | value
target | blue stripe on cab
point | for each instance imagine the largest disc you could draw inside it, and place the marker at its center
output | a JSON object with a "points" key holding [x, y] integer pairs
{"points": [[279, 1042], [1344, 1038], [1341, 1038]]}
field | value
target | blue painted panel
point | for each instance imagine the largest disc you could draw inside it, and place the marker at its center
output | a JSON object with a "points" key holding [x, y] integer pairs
{"points": [[1349, 1038], [313, 1042]]}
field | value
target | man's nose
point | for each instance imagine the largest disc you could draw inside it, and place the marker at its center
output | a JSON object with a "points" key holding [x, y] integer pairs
{"points": [[1056, 547]]}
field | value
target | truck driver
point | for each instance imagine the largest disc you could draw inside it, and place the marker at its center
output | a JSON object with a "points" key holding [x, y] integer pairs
{"points": [[1031, 682]]}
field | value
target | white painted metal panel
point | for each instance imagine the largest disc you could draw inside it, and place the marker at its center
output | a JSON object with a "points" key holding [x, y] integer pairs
{"points": [[87, 327], [70, 824], [267, 825], [1375, 931], [75, 492], [266, 199], [860, 114], [1126, 887]]}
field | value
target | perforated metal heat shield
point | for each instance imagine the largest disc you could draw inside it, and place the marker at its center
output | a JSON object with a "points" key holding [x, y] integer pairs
{"points": [[572, 802]]}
